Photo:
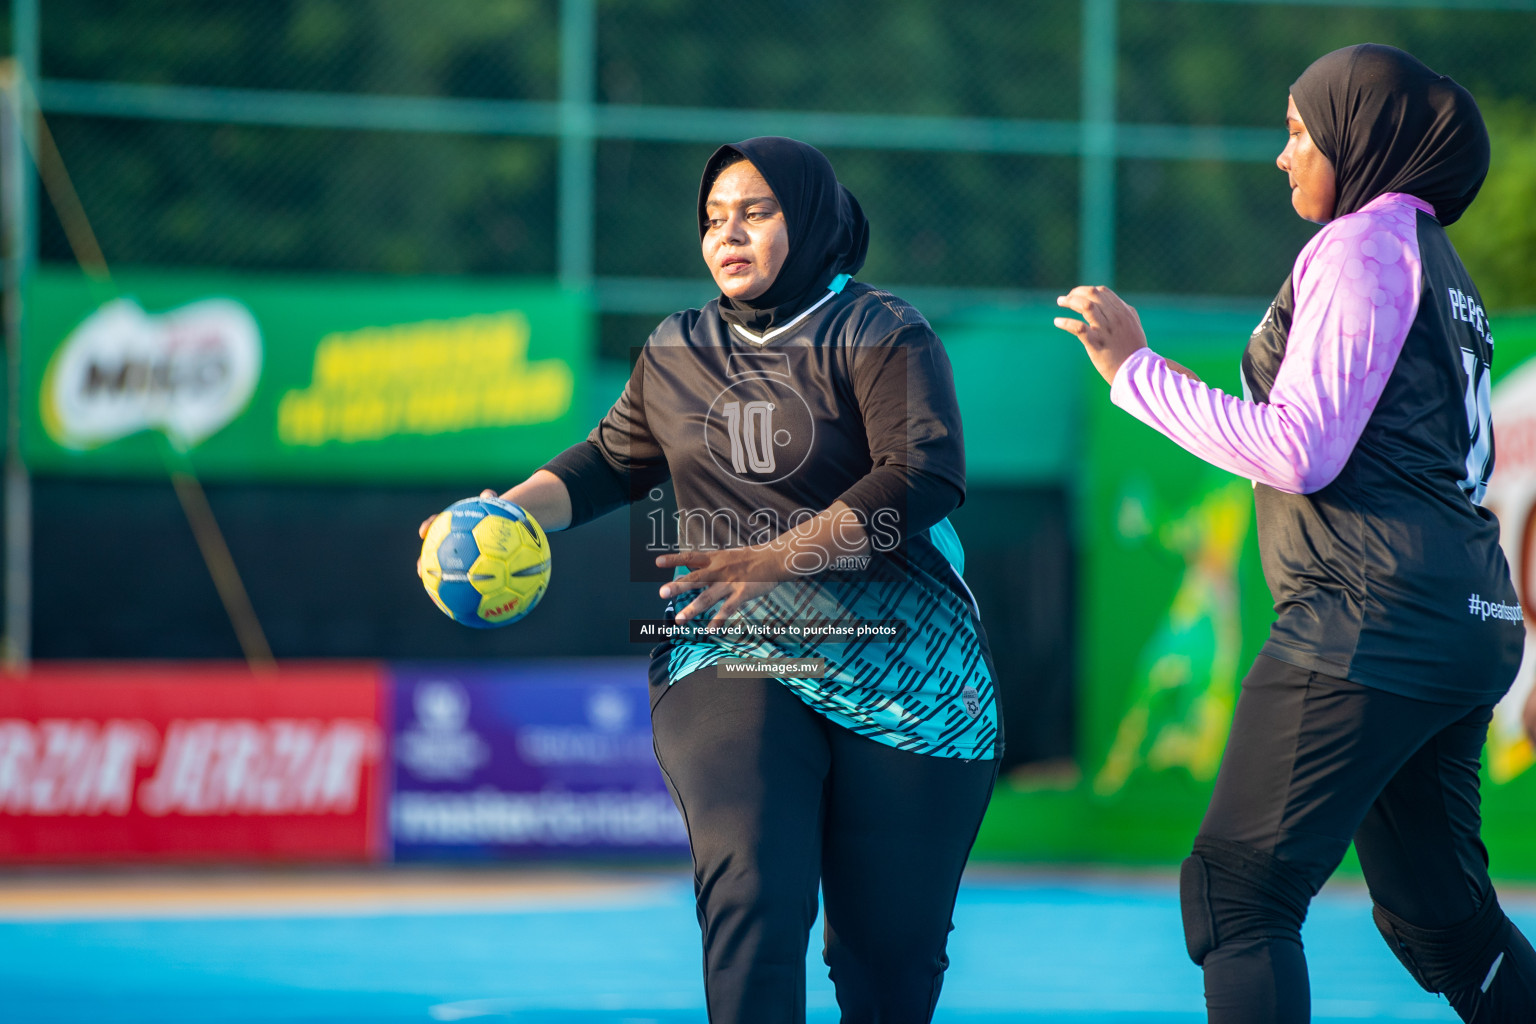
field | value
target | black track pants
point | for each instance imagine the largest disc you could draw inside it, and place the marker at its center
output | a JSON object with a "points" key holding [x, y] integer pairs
{"points": [[1313, 761], [777, 799]]}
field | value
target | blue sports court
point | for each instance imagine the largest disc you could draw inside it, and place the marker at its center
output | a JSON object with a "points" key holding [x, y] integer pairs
{"points": [[557, 947]]}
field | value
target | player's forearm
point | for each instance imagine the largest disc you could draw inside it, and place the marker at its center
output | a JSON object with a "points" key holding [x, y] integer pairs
{"points": [[1280, 446], [824, 538], [1340, 351], [896, 498], [595, 486], [544, 496]]}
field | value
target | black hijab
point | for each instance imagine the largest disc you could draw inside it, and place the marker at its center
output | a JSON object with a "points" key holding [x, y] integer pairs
{"points": [[1390, 124], [828, 234]]}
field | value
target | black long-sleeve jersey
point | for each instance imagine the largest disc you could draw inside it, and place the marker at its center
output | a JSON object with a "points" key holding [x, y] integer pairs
{"points": [[853, 401]]}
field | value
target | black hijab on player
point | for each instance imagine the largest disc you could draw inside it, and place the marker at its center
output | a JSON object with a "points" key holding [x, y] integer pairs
{"points": [[1390, 124], [828, 234]]}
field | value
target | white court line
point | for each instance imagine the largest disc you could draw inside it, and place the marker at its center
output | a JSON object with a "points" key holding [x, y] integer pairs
{"points": [[1047, 1002], [350, 908], [468, 1009], [317, 896]]}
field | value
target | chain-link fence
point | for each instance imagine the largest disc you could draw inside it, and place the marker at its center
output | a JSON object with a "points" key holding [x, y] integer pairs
{"points": [[1000, 148]]}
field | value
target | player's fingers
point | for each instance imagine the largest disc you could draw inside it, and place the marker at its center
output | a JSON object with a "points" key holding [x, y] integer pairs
{"points": [[1113, 305], [489, 493], [1083, 302], [723, 611], [692, 559], [1085, 294], [1071, 325], [426, 524], [1076, 299], [684, 583], [688, 558], [699, 579], [1084, 291], [734, 599], [693, 609]]}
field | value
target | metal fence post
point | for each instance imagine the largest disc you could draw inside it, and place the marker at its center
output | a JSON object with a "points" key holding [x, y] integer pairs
{"points": [[578, 150], [1096, 199], [18, 209], [14, 177]]}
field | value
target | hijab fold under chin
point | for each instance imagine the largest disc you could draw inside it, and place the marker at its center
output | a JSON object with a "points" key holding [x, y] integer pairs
{"points": [[1390, 124], [828, 233]]}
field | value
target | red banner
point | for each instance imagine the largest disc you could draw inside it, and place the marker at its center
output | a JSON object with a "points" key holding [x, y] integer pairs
{"points": [[188, 761]]}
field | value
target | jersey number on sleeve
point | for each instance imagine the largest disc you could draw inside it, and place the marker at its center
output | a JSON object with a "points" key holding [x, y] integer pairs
{"points": [[1479, 427]]}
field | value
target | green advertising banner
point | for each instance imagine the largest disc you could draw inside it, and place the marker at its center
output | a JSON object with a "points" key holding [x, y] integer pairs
{"points": [[1174, 608], [1509, 795], [1022, 424], [265, 377]]}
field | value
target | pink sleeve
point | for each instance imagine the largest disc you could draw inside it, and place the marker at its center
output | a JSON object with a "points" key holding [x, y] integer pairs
{"points": [[1357, 288]]}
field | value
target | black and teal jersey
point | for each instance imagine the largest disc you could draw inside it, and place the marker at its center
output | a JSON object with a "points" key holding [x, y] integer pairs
{"points": [[853, 400]]}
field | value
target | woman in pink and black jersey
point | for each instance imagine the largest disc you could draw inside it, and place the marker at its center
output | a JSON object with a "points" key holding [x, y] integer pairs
{"points": [[1365, 427]]}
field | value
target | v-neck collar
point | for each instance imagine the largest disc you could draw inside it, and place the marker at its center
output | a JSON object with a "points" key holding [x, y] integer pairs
{"points": [[759, 340]]}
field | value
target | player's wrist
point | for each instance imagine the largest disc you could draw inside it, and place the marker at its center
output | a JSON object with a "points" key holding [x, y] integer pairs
{"points": [[545, 497]]}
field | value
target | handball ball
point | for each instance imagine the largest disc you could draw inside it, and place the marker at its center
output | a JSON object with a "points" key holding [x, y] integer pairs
{"points": [[485, 562]]}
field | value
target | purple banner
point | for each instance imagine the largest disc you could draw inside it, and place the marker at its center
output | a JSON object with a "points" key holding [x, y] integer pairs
{"points": [[527, 758]]}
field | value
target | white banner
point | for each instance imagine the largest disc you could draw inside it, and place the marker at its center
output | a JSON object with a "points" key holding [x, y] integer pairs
{"points": [[187, 373]]}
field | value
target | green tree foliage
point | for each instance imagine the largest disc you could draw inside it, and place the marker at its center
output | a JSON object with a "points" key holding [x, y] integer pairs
{"points": [[184, 193], [1233, 63], [1002, 221], [304, 199], [1227, 228], [1496, 237]]}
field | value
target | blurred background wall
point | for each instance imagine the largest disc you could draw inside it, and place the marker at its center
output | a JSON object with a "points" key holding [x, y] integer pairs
{"points": [[367, 165]]}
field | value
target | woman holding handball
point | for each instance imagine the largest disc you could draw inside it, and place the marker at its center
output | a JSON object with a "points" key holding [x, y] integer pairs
{"points": [[810, 429], [1366, 431]]}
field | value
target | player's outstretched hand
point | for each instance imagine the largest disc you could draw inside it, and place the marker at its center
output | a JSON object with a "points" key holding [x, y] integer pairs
{"points": [[426, 524], [726, 579], [1110, 328]]}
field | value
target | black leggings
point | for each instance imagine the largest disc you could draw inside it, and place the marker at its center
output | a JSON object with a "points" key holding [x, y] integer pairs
{"points": [[1311, 762], [778, 799]]}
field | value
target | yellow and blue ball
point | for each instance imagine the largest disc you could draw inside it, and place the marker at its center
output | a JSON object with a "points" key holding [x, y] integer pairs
{"points": [[485, 562]]}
